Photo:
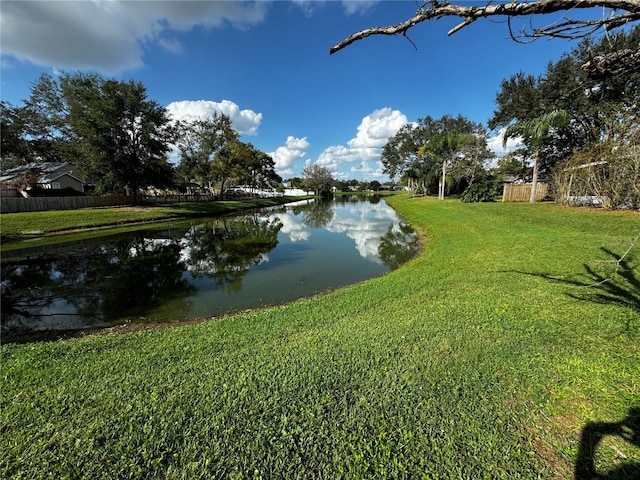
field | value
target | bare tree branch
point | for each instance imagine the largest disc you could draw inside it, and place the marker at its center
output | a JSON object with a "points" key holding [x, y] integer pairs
{"points": [[618, 261], [622, 12], [621, 62]]}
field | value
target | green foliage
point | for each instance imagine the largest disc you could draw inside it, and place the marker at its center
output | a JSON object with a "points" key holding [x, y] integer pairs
{"points": [[593, 104], [535, 132], [374, 185], [198, 143], [417, 153], [14, 149], [124, 137], [211, 152], [513, 164], [478, 359], [483, 191], [114, 134]]}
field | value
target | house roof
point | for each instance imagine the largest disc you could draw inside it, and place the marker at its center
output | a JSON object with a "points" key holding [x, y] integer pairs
{"points": [[52, 177], [50, 172], [45, 167]]}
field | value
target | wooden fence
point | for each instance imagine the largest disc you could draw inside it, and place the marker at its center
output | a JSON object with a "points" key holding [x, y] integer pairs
{"points": [[38, 204], [522, 193]]}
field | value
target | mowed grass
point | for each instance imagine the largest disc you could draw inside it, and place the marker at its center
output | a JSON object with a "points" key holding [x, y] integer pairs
{"points": [[481, 358], [37, 223]]}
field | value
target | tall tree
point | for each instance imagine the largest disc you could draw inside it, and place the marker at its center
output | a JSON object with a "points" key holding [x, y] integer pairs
{"points": [[401, 155], [198, 143], [229, 163], [124, 137], [595, 105], [259, 169], [14, 149], [446, 147], [42, 123], [534, 132], [318, 178]]}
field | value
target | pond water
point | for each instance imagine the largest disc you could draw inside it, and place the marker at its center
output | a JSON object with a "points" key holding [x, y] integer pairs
{"points": [[203, 268]]}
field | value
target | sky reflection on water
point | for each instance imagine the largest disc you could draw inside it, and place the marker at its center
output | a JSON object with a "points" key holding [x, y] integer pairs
{"points": [[203, 268]]}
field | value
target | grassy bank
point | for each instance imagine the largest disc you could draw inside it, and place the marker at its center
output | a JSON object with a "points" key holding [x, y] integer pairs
{"points": [[17, 225], [482, 358]]}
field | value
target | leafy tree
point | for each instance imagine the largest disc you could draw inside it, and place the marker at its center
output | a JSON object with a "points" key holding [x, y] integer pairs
{"points": [[38, 130], [198, 143], [123, 136], [402, 155], [341, 185], [593, 104], [296, 182], [14, 148], [230, 162], [534, 132], [45, 121], [472, 165], [193, 165], [513, 164], [519, 98], [259, 169], [446, 147], [374, 185], [318, 178]]}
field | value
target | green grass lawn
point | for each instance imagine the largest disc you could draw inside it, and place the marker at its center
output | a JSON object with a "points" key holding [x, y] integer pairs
{"points": [[37, 223], [482, 358]]}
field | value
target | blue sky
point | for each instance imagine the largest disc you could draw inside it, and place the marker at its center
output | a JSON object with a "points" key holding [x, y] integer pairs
{"points": [[267, 65]]}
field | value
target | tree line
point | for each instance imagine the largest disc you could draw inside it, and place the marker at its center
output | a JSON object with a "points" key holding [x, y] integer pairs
{"points": [[580, 131], [115, 135]]}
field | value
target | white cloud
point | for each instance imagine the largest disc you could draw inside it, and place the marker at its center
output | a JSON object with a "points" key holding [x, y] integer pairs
{"points": [[495, 143], [357, 6], [244, 121], [294, 149], [366, 147], [296, 230], [109, 36], [350, 6], [365, 229]]}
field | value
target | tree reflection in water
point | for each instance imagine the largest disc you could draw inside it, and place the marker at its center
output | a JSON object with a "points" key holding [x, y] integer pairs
{"points": [[101, 281], [399, 245], [225, 250], [202, 269]]}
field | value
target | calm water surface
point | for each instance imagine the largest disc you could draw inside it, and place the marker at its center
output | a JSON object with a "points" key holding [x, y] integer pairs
{"points": [[203, 268]]}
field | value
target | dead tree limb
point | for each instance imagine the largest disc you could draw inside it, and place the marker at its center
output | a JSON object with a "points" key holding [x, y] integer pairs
{"points": [[622, 12]]}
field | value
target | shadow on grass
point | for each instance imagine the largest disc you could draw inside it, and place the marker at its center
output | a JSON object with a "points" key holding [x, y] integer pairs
{"points": [[593, 434], [615, 287], [620, 288]]}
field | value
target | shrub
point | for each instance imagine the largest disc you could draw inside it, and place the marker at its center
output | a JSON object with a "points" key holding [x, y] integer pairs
{"points": [[484, 191]]}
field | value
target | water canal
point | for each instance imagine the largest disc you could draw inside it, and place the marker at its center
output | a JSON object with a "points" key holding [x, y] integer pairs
{"points": [[203, 268]]}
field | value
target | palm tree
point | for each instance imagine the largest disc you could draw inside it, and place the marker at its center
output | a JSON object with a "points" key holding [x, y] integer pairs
{"points": [[535, 131], [446, 147]]}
